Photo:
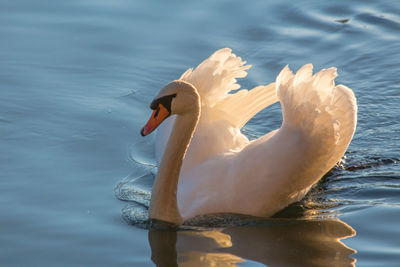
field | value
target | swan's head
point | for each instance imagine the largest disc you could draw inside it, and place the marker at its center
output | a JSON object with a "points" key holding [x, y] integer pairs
{"points": [[177, 97]]}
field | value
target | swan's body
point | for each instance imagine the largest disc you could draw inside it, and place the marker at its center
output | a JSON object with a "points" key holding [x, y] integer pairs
{"points": [[222, 171]]}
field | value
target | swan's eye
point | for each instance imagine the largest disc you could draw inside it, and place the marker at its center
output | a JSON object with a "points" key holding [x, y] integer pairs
{"points": [[157, 111], [165, 101]]}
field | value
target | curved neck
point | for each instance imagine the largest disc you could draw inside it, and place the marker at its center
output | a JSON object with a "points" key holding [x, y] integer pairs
{"points": [[163, 204]]}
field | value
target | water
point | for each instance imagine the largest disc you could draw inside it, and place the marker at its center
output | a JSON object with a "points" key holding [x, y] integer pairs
{"points": [[76, 78]]}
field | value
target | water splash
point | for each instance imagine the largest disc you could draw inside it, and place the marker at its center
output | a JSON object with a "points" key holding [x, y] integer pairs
{"points": [[136, 189], [137, 215]]}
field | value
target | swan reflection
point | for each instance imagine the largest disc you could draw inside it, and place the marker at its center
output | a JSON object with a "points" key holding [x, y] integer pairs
{"points": [[274, 243]]}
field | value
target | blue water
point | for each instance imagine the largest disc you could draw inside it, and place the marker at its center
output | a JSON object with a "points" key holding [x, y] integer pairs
{"points": [[76, 79]]}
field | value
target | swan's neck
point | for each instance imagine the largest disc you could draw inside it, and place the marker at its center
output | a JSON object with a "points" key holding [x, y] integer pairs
{"points": [[163, 204]]}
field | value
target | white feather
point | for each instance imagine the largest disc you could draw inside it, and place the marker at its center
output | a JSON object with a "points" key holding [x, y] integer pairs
{"points": [[224, 172]]}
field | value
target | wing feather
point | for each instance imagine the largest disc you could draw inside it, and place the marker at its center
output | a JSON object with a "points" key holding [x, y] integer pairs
{"points": [[216, 77]]}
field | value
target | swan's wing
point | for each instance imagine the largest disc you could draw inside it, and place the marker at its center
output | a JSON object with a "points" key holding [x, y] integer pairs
{"points": [[319, 120], [325, 112], [216, 76], [240, 107]]}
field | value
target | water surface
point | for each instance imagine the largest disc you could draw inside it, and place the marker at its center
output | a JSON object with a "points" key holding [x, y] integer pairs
{"points": [[76, 79]]}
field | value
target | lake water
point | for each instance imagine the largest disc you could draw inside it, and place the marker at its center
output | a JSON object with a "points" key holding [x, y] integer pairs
{"points": [[76, 80]]}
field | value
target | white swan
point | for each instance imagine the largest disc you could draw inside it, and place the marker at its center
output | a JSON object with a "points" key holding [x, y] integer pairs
{"points": [[206, 165]]}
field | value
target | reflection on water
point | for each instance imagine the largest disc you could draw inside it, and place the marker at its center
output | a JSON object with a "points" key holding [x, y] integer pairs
{"points": [[276, 243]]}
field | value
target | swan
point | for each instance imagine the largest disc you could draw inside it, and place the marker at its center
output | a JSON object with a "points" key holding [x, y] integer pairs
{"points": [[206, 165]]}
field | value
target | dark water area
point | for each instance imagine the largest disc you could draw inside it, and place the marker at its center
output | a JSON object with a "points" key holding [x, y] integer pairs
{"points": [[76, 80]]}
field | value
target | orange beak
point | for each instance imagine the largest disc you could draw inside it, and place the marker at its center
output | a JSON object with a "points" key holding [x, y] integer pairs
{"points": [[158, 116]]}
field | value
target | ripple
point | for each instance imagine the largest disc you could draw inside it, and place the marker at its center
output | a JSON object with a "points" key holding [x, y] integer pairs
{"points": [[354, 162], [136, 189], [359, 182], [137, 215], [380, 21]]}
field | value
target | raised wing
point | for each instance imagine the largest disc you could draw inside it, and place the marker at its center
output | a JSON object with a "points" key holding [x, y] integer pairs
{"points": [[215, 79]]}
